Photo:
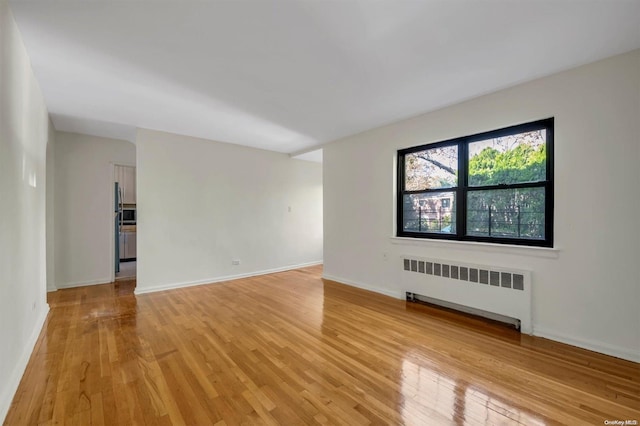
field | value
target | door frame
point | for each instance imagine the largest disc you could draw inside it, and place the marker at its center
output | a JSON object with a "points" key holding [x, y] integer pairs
{"points": [[112, 231]]}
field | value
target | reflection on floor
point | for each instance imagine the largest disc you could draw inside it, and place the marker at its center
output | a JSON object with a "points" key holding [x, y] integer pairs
{"points": [[292, 348], [127, 270]]}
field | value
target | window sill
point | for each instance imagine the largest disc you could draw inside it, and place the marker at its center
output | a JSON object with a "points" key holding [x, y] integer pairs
{"points": [[544, 252]]}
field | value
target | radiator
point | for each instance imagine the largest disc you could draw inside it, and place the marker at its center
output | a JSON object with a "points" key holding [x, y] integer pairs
{"points": [[479, 289]]}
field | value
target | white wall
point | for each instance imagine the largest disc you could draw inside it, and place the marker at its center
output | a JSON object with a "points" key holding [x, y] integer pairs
{"points": [[84, 206], [50, 209], [586, 292], [23, 143], [203, 203]]}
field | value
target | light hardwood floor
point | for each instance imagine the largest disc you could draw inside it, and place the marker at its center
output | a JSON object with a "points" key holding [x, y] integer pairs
{"points": [[290, 348]]}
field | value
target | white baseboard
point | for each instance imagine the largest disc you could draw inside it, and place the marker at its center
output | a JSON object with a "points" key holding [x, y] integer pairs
{"points": [[11, 386], [603, 348], [214, 280], [82, 283], [390, 293]]}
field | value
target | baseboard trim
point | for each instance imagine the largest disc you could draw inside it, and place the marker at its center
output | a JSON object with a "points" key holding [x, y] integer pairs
{"points": [[83, 283], [588, 344], [173, 286], [394, 294], [538, 331], [21, 366]]}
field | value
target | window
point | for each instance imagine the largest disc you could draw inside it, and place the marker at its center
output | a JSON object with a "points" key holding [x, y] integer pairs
{"points": [[491, 187]]}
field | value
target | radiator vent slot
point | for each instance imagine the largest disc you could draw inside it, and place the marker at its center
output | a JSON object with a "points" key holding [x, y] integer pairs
{"points": [[493, 289], [480, 275]]}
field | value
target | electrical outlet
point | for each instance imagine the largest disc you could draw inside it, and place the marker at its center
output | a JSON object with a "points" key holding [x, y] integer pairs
{"points": [[289, 209], [385, 256], [235, 262], [33, 306]]}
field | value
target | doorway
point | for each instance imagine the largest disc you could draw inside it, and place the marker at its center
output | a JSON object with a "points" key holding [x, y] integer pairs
{"points": [[125, 222]]}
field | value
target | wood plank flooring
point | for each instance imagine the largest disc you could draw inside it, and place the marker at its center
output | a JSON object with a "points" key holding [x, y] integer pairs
{"points": [[292, 349]]}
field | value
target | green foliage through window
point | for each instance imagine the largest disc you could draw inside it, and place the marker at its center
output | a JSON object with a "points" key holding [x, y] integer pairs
{"points": [[508, 192], [505, 161]]}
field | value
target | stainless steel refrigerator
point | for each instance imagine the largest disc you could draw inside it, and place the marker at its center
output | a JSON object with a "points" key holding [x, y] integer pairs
{"points": [[117, 224]]}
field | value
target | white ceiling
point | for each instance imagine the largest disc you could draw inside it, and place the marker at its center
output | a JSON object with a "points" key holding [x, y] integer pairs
{"points": [[315, 156], [290, 75]]}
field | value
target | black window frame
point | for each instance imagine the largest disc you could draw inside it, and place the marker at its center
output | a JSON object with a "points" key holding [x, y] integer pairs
{"points": [[463, 187]]}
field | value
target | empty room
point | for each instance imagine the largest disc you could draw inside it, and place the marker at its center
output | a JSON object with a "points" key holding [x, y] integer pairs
{"points": [[339, 212]]}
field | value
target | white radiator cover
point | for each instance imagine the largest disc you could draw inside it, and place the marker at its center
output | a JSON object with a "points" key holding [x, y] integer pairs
{"points": [[495, 289]]}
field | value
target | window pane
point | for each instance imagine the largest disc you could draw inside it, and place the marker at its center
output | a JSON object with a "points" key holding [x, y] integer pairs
{"points": [[433, 213], [510, 159], [507, 213], [431, 169]]}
